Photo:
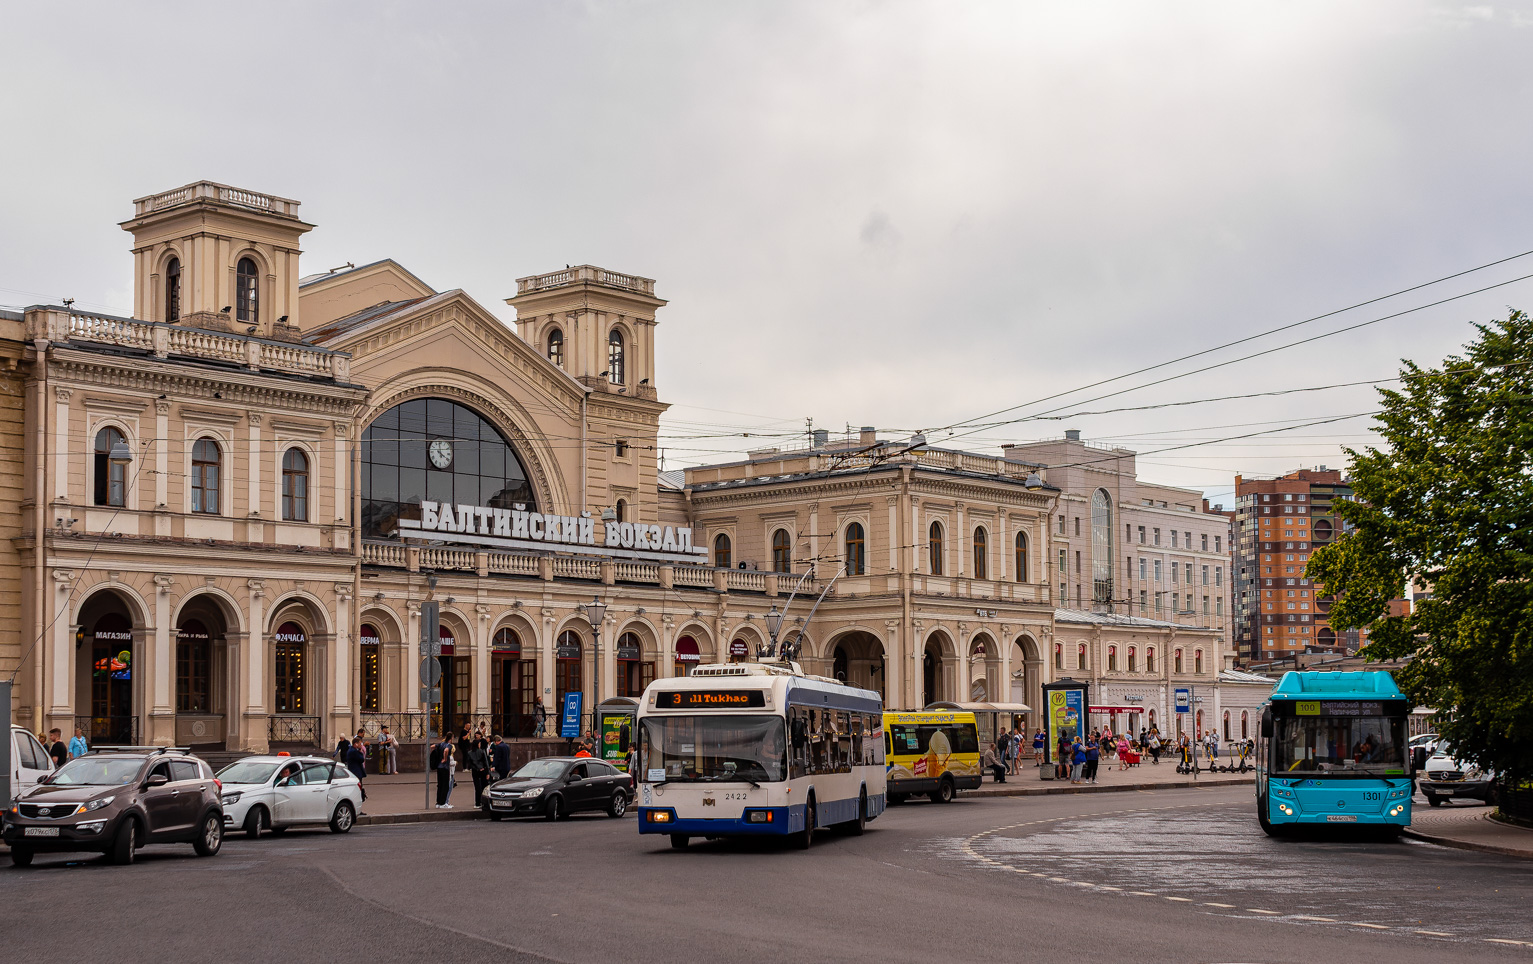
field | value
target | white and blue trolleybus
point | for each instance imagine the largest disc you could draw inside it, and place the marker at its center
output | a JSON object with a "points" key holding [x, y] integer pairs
{"points": [[758, 749]]}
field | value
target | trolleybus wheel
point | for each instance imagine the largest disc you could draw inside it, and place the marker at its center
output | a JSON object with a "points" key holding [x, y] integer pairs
{"points": [[856, 827], [805, 837]]}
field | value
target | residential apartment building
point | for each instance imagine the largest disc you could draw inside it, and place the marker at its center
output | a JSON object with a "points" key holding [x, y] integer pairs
{"points": [[1279, 522]]}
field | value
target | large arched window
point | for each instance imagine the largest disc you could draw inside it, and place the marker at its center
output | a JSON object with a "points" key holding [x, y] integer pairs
{"points": [[981, 555], [556, 346], [1059, 656], [934, 547], [295, 486], [173, 290], [431, 448], [1112, 658], [111, 476], [856, 550], [782, 551], [566, 666], [1021, 557], [1101, 547], [1149, 660], [722, 557], [246, 298], [207, 460], [615, 357]]}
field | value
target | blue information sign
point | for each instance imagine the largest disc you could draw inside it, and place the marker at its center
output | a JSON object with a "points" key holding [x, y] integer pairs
{"points": [[569, 722], [1183, 700]]}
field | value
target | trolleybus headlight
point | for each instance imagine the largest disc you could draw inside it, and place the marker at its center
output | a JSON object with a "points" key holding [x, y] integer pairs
{"points": [[659, 816], [758, 816]]}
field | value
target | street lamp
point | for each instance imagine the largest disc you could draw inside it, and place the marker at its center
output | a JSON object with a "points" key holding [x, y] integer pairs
{"points": [[595, 612], [773, 623]]}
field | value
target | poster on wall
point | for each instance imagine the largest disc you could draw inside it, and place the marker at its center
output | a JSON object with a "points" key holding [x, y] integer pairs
{"points": [[569, 719], [614, 727]]}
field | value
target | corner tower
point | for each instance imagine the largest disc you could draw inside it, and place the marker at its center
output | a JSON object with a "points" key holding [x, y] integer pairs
{"points": [[596, 324], [206, 247]]}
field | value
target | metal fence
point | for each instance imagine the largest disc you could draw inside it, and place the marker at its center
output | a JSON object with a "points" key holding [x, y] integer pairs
{"points": [[108, 730], [1516, 802], [303, 730], [405, 727]]}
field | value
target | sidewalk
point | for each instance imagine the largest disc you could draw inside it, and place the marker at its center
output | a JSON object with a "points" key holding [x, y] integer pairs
{"points": [[404, 798], [1469, 827], [1146, 776]]}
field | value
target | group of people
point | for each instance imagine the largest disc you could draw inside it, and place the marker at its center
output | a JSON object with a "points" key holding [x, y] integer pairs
{"points": [[53, 743], [486, 757]]}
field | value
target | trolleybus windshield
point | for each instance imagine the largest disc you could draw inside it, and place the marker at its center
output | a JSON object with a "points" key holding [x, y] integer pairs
{"points": [[715, 748], [1361, 745]]}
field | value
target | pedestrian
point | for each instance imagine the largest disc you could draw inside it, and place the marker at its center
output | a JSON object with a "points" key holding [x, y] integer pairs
{"points": [[1153, 742], [479, 769], [77, 745], [992, 762], [1038, 744], [583, 749], [500, 757], [633, 762], [442, 762], [1093, 757], [1123, 751], [56, 748], [1077, 760], [356, 762], [342, 747], [388, 751], [539, 718], [1211, 745]]}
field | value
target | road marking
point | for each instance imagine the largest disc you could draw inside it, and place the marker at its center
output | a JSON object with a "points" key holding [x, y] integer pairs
{"points": [[1257, 910], [1209, 903], [1184, 900], [1377, 927], [1323, 920], [1105, 887], [1502, 940], [1142, 893], [1434, 934]]}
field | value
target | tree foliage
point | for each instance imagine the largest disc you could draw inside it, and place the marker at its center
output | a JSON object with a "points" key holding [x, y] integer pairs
{"points": [[1448, 503]]}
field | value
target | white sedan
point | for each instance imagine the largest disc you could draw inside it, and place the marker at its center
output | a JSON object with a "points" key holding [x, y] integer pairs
{"points": [[262, 793]]}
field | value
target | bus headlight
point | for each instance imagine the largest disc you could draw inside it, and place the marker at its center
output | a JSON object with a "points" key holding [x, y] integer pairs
{"points": [[759, 816], [1397, 809], [658, 816], [1286, 809]]}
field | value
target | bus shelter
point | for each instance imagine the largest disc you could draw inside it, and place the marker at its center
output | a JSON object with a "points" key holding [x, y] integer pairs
{"points": [[989, 718], [1065, 705], [613, 721]]}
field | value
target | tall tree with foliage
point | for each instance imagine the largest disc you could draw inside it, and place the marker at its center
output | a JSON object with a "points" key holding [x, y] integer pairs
{"points": [[1448, 502]]}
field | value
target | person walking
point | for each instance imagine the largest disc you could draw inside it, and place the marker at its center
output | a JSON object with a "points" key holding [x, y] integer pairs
{"points": [[77, 745], [1211, 745], [539, 718], [1077, 760], [500, 757], [1123, 751], [1093, 757], [442, 762], [56, 747], [356, 762], [479, 770], [388, 751]]}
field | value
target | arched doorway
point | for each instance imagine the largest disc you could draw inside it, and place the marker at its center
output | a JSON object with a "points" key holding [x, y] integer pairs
{"points": [[981, 654], [687, 655], [457, 707], [107, 635], [933, 669], [567, 666], [634, 672], [857, 658], [370, 692], [513, 686], [203, 681]]}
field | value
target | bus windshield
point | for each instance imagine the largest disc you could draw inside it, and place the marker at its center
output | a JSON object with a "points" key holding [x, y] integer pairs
{"points": [[1373, 745], [715, 748]]}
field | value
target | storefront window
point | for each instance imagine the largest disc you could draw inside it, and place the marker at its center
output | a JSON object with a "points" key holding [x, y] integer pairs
{"points": [[371, 669], [287, 682], [192, 668]]}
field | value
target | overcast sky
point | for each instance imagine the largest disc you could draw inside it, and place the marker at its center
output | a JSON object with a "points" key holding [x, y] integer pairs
{"points": [[903, 215]]}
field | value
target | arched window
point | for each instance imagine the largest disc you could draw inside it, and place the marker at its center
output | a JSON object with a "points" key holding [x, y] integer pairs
{"points": [[1112, 658], [566, 666], [246, 299], [1227, 736], [615, 357], [1197, 661], [721, 554], [1245, 725], [295, 486], [1101, 547], [556, 346], [856, 550], [1133, 661], [1080, 656], [1176, 664], [782, 551], [1149, 660], [111, 476], [207, 459], [173, 291], [622, 510], [934, 547], [981, 555], [1059, 656], [1021, 557]]}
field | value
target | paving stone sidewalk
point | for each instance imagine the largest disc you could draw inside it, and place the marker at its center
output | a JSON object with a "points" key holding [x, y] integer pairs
{"points": [[1470, 827]]}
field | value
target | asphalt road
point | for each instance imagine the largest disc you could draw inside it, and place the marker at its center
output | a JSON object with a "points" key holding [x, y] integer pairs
{"points": [[1175, 875]]}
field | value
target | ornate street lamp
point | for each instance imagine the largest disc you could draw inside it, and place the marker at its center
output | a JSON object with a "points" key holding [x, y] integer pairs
{"points": [[595, 612], [773, 623]]}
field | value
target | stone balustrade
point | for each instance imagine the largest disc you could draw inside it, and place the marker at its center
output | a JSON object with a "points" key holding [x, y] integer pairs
{"points": [[221, 193], [585, 272]]}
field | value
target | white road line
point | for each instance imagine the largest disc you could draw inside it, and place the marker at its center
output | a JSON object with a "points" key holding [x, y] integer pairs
{"points": [[1434, 934], [1142, 893], [1377, 927], [1209, 903], [1323, 920], [1255, 910], [1502, 940], [1184, 900]]}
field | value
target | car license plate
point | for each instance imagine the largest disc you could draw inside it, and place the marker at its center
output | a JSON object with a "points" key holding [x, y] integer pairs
{"points": [[501, 804], [1342, 818], [40, 832]]}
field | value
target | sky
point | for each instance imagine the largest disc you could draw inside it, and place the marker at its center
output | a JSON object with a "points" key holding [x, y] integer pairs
{"points": [[901, 215]]}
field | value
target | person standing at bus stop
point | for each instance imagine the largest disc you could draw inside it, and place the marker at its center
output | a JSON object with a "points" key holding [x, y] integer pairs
{"points": [[1038, 744], [1093, 758]]}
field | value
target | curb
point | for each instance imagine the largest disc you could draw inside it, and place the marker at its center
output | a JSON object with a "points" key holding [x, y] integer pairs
{"points": [[424, 816], [1457, 844], [994, 791]]}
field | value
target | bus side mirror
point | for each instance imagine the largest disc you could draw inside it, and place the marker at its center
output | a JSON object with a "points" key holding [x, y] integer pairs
{"points": [[624, 738], [1266, 724], [1419, 758]]}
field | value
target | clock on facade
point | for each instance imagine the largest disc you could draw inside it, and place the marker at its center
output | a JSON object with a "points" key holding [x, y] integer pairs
{"points": [[440, 451]]}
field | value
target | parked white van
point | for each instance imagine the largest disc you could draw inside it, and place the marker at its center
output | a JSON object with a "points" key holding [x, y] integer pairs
{"points": [[29, 761]]}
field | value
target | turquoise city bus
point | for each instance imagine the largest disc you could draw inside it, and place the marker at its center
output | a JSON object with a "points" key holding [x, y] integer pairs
{"points": [[1333, 750]]}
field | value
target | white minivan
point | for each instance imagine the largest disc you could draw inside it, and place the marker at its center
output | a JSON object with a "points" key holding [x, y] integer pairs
{"points": [[29, 761]]}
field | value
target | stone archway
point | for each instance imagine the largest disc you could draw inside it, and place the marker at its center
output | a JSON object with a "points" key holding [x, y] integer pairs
{"points": [[935, 673], [857, 657], [205, 671], [109, 656], [1027, 677]]}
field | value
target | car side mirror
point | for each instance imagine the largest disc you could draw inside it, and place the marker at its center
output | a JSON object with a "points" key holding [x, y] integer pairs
{"points": [[156, 780]]}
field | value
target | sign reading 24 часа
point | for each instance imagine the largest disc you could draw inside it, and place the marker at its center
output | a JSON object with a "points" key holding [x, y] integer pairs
{"points": [[517, 528]]}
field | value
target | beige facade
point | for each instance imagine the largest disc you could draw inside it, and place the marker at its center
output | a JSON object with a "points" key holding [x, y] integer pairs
{"points": [[233, 508]]}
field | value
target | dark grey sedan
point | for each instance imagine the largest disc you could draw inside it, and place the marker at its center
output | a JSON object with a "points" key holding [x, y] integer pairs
{"points": [[557, 786]]}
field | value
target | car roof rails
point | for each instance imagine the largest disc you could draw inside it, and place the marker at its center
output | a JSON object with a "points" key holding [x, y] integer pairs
{"points": [[140, 749]]}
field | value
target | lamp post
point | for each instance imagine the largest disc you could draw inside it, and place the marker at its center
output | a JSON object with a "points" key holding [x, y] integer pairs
{"points": [[773, 624], [595, 612]]}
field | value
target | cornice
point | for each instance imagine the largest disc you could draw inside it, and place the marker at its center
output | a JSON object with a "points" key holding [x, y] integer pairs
{"points": [[250, 389]]}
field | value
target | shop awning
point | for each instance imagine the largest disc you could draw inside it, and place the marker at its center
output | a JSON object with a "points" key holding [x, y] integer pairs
{"points": [[686, 650]]}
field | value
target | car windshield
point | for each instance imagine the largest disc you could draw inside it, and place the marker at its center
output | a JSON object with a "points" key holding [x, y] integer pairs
{"points": [[539, 770], [96, 772], [247, 772], [714, 748], [1372, 745]]}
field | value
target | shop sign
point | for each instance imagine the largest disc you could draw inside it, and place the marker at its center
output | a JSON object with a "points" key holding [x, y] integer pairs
{"points": [[627, 651], [739, 648], [569, 718], [516, 528], [369, 637], [290, 633]]}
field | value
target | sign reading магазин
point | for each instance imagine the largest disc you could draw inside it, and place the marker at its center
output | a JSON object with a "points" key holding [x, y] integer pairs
{"points": [[518, 529]]}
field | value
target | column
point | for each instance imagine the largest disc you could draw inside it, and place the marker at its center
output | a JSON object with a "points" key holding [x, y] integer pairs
{"points": [[341, 471], [667, 665], [962, 683], [62, 440], [955, 548], [608, 659], [255, 655], [482, 661], [1003, 665], [161, 671], [894, 536], [914, 538], [894, 664], [410, 700], [61, 660], [815, 549], [253, 420], [340, 685], [999, 544], [161, 465], [546, 671]]}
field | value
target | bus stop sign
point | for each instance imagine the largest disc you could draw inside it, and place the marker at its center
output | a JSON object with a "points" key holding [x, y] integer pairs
{"points": [[1183, 700]]}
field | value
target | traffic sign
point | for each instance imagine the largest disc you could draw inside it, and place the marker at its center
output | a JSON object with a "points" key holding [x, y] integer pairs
{"points": [[431, 671], [431, 629], [431, 694], [1183, 700]]}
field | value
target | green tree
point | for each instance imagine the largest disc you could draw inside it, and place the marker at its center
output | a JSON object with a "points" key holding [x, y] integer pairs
{"points": [[1448, 502]]}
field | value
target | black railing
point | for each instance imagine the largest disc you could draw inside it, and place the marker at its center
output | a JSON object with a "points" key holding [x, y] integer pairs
{"points": [[303, 730], [405, 727], [108, 730], [1516, 802]]}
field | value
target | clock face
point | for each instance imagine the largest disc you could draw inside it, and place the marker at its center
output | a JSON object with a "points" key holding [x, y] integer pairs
{"points": [[440, 450]]}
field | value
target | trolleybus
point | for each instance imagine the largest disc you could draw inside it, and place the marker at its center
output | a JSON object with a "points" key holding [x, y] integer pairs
{"points": [[758, 749], [1333, 749]]}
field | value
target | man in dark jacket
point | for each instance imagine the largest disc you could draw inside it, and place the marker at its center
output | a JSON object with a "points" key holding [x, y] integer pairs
{"points": [[441, 761], [356, 762], [500, 757], [479, 769]]}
